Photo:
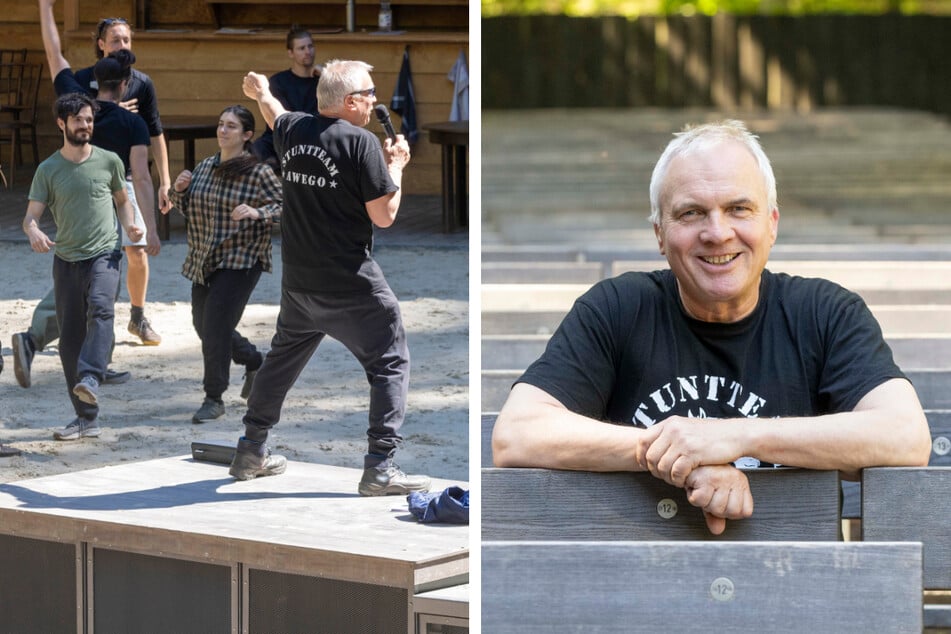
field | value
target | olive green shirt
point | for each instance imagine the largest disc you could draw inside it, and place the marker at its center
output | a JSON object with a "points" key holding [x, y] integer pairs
{"points": [[79, 195]]}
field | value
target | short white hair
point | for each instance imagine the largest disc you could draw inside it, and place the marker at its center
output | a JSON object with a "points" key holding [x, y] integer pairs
{"points": [[702, 137], [338, 79]]}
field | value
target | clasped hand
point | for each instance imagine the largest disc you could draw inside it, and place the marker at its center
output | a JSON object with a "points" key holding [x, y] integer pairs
{"points": [[695, 454]]}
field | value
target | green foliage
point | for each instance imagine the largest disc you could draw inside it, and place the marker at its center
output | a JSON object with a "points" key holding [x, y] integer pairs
{"points": [[633, 8]]}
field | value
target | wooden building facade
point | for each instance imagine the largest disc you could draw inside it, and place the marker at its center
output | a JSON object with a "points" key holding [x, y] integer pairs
{"points": [[197, 52]]}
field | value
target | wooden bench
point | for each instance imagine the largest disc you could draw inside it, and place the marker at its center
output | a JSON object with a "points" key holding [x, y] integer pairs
{"points": [[540, 504], [544, 587], [913, 504]]}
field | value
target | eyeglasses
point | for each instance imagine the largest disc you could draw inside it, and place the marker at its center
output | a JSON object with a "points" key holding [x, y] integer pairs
{"points": [[369, 92], [105, 23]]}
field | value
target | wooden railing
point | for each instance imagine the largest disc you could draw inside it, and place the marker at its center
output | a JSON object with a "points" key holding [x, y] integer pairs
{"points": [[722, 61]]}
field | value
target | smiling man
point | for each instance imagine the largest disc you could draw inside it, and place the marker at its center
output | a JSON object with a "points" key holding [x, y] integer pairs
{"points": [[715, 362]]}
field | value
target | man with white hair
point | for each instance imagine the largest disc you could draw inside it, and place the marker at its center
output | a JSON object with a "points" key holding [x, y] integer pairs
{"points": [[716, 362], [337, 185]]}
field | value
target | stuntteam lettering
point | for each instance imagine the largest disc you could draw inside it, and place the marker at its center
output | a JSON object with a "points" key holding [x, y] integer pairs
{"points": [[710, 390], [310, 150]]}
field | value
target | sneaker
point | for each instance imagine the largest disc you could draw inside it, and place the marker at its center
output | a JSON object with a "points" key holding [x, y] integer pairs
{"points": [[23, 351], [115, 377], [253, 460], [388, 479], [79, 428], [86, 390], [143, 330], [6, 451], [210, 410]]}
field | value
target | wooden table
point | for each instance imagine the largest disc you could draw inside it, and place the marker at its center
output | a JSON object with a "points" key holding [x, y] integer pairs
{"points": [[453, 136], [186, 128]]}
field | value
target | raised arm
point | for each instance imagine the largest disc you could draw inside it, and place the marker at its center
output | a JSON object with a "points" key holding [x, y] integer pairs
{"points": [[256, 86], [51, 41]]}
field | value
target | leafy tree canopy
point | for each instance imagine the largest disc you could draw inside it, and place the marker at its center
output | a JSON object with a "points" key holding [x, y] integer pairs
{"points": [[634, 8]]}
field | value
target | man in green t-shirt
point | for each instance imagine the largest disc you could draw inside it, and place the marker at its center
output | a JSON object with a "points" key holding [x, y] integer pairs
{"points": [[79, 184]]}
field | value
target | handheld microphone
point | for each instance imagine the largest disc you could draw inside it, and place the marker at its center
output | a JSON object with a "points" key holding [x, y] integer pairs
{"points": [[384, 116]]}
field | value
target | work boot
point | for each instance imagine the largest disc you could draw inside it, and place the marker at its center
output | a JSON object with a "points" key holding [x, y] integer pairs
{"points": [[253, 460], [143, 330], [23, 351], [388, 479]]}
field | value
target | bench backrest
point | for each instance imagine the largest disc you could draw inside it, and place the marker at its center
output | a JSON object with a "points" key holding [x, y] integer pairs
{"points": [[911, 504], [535, 587], [540, 504]]}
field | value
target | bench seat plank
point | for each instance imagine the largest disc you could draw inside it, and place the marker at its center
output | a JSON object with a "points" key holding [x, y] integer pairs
{"points": [[534, 504], [911, 504], [606, 587]]}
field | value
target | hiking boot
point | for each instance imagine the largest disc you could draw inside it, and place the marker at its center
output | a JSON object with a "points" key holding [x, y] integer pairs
{"points": [[253, 460], [143, 330], [388, 479], [79, 428], [210, 410], [114, 377], [86, 390], [6, 451], [23, 351]]}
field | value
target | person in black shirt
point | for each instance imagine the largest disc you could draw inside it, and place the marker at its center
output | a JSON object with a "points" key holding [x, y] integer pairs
{"points": [[337, 185], [295, 88], [715, 363]]}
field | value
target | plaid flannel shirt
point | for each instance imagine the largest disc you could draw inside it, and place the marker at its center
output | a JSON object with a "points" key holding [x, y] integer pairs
{"points": [[215, 241]]}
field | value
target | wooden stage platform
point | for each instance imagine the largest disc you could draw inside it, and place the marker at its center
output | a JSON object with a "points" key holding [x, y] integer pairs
{"points": [[177, 545]]}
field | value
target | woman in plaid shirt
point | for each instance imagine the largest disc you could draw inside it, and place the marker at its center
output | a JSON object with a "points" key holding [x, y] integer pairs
{"points": [[230, 201]]}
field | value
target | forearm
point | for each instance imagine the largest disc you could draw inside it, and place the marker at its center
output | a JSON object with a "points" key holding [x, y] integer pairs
{"points": [[145, 198], [126, 215], [270, 108], [534, 430], [160, 154], [846, 442]]}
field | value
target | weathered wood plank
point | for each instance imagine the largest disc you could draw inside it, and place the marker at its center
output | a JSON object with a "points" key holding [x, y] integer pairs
{"points": [[911, 504], [545, 587], [539, 504]]}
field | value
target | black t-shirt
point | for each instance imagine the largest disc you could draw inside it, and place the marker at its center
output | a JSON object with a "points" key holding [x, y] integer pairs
{"points": [[296, 94], [330, 169], [140, 87], [114, 128], [628, 353]]}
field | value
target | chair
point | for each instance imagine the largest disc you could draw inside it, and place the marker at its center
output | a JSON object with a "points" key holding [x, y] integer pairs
{"points": [[18, 107]]}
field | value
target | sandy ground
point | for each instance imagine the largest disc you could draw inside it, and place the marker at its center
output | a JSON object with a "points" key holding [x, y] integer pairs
{"points": [[324, 416]]}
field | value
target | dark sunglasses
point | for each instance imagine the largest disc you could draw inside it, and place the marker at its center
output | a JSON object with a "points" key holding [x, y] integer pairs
{"points": [[369, 92], [105, 23]]}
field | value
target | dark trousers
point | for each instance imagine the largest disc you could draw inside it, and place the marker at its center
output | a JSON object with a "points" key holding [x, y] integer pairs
{"points": [[217, 306], [85, 312], [370, 326]]}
